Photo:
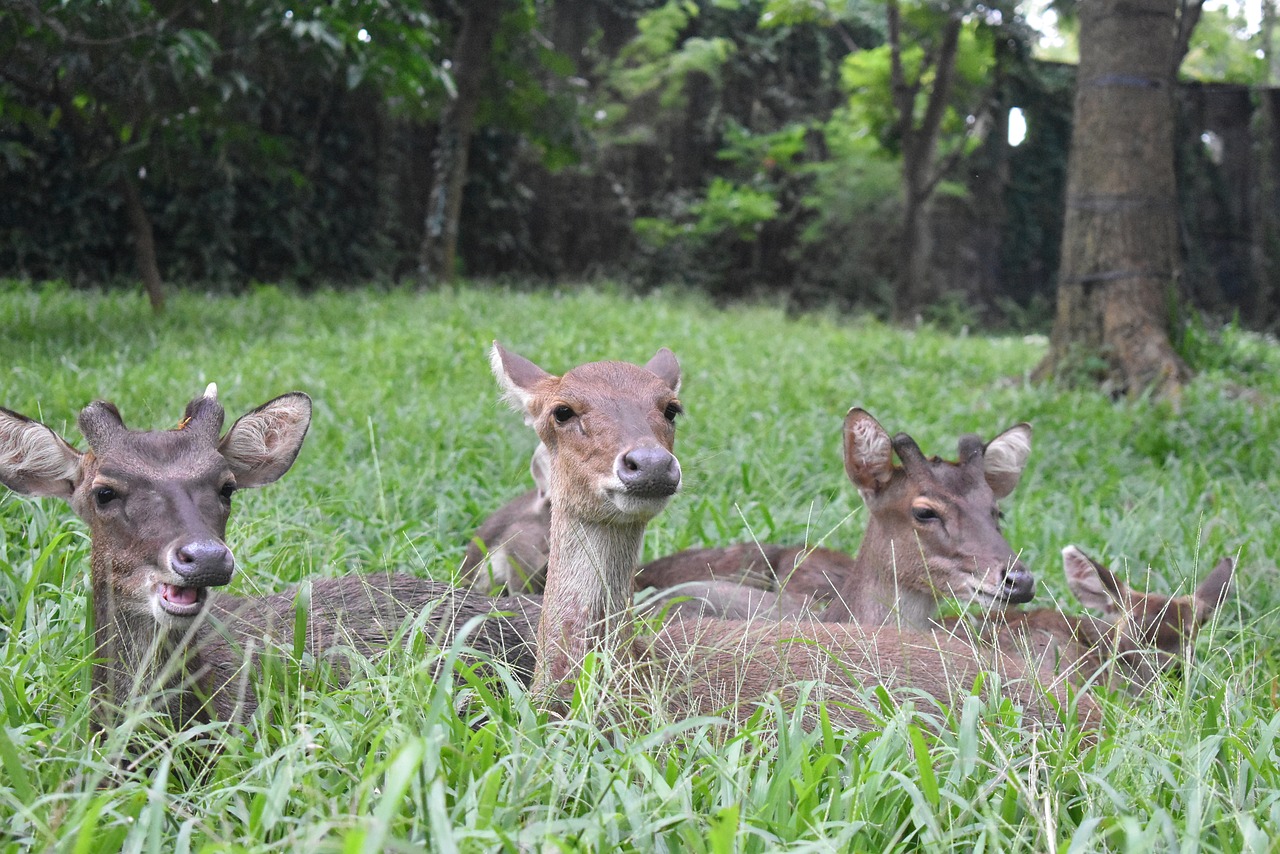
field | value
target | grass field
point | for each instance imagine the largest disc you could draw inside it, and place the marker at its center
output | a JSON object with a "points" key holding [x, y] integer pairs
{"points": [[410, 448]]}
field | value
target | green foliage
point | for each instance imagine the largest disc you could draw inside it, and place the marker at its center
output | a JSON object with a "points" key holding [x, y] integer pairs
{"points": [[662, 56], [410, 449], [1225, 49], [866, 78]]}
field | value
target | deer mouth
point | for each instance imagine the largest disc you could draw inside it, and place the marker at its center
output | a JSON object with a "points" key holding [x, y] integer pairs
{"points": [[182, 601]]}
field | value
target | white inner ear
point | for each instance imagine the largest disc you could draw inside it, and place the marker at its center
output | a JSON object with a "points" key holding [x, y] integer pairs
{"points": [[871, 445], [540, 468], [31, 454], [513, 394], [1083, 580], [1007, 454]]}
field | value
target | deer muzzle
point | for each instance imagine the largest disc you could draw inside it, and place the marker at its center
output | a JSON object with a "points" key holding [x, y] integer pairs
{"points": [[648, 472], [1017, 585]]}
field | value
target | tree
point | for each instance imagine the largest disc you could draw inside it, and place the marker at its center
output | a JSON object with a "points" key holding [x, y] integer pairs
{"points": [[1120, 258], [470, 65], [926, 93]]}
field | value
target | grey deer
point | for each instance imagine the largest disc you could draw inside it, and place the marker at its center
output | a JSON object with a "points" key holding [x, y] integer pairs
{"points": [[933, 531], [609, 430], [510, 548], [157, 504]]}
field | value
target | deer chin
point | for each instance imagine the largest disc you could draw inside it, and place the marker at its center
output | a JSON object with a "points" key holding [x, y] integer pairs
{"points": [[637, 508], [179, 602]]}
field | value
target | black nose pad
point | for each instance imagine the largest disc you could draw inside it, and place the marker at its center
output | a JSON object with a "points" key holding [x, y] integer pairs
{"points": [[203, 563], [1018, 584], [649, 472]]}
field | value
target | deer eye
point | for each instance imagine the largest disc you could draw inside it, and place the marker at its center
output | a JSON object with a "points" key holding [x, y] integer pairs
{"points": [[562, 413], [924, 513], [227, 491], [104, 495], [673, 409]]}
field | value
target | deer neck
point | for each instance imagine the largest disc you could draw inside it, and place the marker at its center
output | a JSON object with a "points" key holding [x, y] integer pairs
{"points": [[585, 604], [885, 587], [136, 657]]}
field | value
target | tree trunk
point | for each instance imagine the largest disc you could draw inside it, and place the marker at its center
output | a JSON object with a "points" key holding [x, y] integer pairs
{"points": [[1120, 259], [470, 65], [920, 174], [144, 243], [1265, 233]]}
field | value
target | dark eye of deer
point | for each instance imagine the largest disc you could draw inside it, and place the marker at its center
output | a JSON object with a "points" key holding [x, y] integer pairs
{"points": [[104, 495], [924, 514], [562, 413], [673, 409], [227, 491]]}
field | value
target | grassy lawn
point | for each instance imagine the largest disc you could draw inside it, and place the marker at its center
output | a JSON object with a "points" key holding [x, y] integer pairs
{"points": [[410, 448]]}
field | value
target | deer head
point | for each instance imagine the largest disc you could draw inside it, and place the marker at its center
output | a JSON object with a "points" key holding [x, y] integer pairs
{"points": [[937, 523], [1147, 632], [156, 502], [608, 429]]}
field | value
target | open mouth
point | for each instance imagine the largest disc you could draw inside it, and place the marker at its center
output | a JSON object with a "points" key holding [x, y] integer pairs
{"points": [[182, 601]]}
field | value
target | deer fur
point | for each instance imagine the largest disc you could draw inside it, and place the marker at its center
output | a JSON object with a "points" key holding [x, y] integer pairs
{"points": [[932, 531], [510, 548], [1138, 637], [157, 504], [597, 529]]}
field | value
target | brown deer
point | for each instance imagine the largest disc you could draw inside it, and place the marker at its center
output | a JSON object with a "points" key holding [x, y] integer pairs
{"points": [[1139, 636], [157, 504], [933, 531], [609, 430], [510, 548]]}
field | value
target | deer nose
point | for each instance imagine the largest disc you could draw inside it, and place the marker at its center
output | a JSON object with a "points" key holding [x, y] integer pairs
{"points": [[649, 472], [1018, 585], [203, 563]]}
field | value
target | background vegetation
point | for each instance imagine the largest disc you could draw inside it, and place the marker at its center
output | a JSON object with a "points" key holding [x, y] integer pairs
{"points": [[410, 448], [737, 146]]}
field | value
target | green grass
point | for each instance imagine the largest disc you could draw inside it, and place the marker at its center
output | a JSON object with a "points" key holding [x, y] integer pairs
{"points": [[410, 448]]}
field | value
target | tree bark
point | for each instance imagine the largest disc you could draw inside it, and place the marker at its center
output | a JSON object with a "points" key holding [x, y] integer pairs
{"points": [[920, 175], [144, 243], [1120, 258], [437, 255]]}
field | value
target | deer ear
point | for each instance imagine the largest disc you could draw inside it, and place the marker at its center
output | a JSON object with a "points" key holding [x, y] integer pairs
{"points": [[1005, 457], [1092, 583], [664, 364], [516, 375], [262, 445], [868, 451], [540, 468], [1213, 591], [34, 460]]}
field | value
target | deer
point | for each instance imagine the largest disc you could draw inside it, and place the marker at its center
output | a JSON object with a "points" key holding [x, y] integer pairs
{"points": [[1139, 636], [157, 505], [933, 531], [609, 431], [509, 550]]}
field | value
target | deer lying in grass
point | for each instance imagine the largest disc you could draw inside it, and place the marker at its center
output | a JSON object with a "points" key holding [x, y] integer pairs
{"points": [[1139, 636], [509, 550], [609, 430], [933, 531], [157, 504]]}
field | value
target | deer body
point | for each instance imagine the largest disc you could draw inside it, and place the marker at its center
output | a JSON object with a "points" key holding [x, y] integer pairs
{"points": [[157, 504], [601, 501], [933, 531], [1138, 636], [510, 548]]}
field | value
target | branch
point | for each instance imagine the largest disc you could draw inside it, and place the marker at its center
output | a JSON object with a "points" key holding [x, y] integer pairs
{"points": [[1187, 19]]}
